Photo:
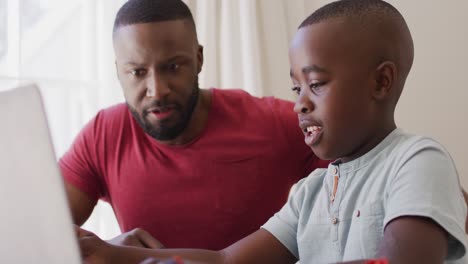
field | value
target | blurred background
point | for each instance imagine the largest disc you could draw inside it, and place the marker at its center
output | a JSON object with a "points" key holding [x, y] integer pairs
{"points": [[66, 48]]}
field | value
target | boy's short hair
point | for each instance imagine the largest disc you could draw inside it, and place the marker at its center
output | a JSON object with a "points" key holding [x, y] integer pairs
{"points": [[352, 9], [382, 21]]}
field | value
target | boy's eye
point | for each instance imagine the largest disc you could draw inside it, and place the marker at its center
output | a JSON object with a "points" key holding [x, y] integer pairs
{"points": [[316, 86], [296, 89], [138, 72]]}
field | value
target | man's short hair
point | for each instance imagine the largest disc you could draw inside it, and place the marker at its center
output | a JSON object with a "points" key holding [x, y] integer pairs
{"points": [[148, 11]]}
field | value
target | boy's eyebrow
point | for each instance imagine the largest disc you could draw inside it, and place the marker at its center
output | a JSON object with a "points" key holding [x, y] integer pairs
{"points": [[311, 68]]}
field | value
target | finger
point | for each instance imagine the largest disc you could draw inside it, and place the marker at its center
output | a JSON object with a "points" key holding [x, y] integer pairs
{"points": [[87, 246], [135, 242], [80, 232], [173, 260], [148, 240], [150, 261]]}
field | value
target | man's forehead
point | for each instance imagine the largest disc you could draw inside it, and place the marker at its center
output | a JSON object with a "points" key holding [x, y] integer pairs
{"points": [[152, 26]]}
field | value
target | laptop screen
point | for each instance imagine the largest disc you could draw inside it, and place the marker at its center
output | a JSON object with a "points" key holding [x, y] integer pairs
{"points": [[36, 225]]}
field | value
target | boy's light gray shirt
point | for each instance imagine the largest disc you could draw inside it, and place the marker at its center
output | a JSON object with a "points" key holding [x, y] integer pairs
{"points": [[405, 175]]}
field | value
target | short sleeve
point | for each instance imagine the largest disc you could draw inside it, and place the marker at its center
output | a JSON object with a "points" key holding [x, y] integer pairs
{"points": [[283, 225], [426, 184], [79, 164]]}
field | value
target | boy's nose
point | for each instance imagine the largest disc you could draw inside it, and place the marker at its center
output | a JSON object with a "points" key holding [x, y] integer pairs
{"points": [[303, 104]]}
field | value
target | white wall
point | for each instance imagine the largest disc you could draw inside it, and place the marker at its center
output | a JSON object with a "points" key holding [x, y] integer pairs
{"points": [[433, 102]]}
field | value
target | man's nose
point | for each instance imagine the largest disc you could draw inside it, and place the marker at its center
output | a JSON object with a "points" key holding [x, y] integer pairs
{"points": [[156, 87]]}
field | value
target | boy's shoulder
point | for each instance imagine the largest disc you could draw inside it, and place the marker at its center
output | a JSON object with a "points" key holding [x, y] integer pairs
{"points": [[403, 146], [310, 184]]}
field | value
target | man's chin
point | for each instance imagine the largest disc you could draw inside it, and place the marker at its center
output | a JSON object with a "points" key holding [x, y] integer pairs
{"points": [[161, 125], [162, 135], [162, 132]]}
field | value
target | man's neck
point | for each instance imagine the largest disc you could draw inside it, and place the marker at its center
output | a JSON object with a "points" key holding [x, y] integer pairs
{"points": [[197, 122]]}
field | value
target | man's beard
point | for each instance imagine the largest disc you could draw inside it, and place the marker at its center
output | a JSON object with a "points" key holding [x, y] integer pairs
{"points": [[164, 131]]}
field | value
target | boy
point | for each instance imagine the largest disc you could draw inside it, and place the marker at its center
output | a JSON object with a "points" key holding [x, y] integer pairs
{"points": [[387, 194]]}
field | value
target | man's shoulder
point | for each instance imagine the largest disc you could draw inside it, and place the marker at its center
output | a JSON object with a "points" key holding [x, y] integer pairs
{"points": [[107, 120], [113, 114], [267, 112], [116, 110], [241, 96]]}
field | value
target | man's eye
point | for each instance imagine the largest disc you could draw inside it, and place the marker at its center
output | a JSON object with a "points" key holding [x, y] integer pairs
{"points": [[296, 89], [138, 72], [173, 67]]}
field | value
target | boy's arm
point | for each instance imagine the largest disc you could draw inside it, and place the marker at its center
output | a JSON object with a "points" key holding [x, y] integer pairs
{"points": [[465, 196], [259, 247], [414, 240], [425, 212]]}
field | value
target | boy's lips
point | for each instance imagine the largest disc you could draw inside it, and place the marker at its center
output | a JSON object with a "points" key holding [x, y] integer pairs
{"points": [[312, 134], [311, 128]]}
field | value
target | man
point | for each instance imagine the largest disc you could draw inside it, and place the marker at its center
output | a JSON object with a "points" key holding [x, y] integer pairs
{"points": [[193, 167], [388, 194]]}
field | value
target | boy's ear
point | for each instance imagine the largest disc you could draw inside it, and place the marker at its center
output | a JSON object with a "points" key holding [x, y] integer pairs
{"points": [[385, 77], [117, 70]]}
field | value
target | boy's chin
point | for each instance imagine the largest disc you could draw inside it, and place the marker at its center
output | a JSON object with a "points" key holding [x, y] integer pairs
{"points": [[322, 153]]}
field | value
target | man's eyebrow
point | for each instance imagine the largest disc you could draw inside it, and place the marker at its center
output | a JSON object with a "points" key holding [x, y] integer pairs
{"points": [[131, 63], [311, 68], [176, 57]]}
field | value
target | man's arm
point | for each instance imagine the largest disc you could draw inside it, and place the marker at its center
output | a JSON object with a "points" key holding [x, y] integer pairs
{"points": [[81, 204], [259, 247], [414, 240]]}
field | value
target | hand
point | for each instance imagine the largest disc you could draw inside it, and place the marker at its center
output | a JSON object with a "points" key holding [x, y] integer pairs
{"points": [[93, 249], [136, 238]]}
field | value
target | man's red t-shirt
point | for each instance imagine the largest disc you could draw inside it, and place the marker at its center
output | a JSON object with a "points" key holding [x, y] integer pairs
{"points": [[206, 194]]}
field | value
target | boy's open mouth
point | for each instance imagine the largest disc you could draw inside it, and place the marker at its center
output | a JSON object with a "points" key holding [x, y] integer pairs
{"points": [[312, 134]]}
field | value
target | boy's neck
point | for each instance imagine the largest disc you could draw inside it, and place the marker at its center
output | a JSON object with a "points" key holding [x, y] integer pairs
{"points": [[371, 142]]}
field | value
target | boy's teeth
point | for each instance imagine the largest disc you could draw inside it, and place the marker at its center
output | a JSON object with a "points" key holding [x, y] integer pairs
{"points": [[313, 128]]}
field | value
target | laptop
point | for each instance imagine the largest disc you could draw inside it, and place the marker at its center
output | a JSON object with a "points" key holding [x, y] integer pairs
{"points": [[35, 221]]}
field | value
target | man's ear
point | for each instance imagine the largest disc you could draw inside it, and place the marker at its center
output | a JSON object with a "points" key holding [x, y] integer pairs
{"points": [[199, 58], [385, 79]]}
